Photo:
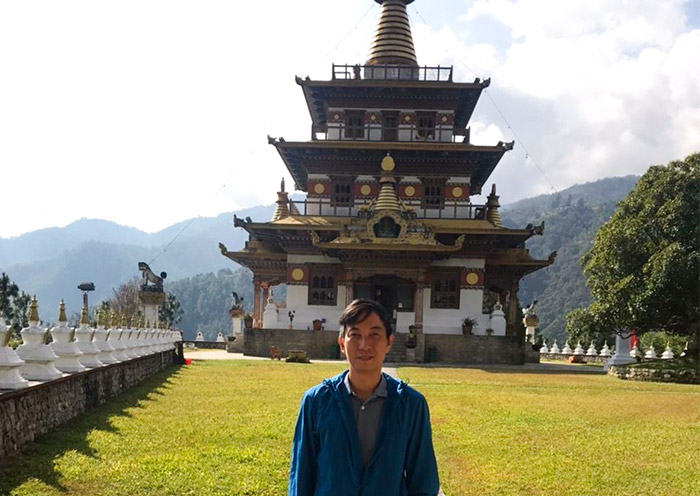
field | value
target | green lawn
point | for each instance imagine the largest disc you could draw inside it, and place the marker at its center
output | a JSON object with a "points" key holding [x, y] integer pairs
{"points": [[224, 428], [515, 433]]}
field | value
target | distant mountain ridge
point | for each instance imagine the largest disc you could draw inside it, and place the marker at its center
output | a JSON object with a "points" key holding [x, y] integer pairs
{"points": [[52, 262]]}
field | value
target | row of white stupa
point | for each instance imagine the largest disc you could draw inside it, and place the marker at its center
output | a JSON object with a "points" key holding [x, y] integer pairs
{"points": [[73, 350], [604, 352]]}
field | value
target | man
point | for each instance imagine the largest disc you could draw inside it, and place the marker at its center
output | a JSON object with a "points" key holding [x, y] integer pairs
{"points": [[363, 432]]}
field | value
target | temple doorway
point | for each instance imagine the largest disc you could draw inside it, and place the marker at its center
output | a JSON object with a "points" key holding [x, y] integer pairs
{"points": [[393, 293]]}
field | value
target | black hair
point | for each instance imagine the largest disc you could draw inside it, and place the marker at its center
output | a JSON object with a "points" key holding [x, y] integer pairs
{"points": [[359, 310]]}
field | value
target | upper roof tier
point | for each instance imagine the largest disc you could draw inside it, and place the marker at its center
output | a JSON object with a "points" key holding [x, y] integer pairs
{"points": [[429, 88], [393, 42]]}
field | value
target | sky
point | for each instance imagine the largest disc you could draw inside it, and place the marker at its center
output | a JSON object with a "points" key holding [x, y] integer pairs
{"points": [[150, 112]]}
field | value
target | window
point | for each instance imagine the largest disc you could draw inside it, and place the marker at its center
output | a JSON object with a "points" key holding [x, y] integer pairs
{"points": [[433, 194], [390, 126], [354, 124], [341, 192], [445, 291], [425, 128], [322, 290]]}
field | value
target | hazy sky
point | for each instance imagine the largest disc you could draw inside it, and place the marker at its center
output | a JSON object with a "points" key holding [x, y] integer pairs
{"points": [[151, 112]]}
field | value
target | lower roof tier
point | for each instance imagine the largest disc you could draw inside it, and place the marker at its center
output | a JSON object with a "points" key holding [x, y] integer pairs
{"points": [[414, 159]]}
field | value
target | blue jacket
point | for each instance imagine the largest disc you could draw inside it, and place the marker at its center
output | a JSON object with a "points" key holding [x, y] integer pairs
{"points": [[326, 455]]}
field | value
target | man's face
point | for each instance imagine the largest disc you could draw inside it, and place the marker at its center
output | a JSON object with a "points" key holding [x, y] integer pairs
{"points": [[365, 344]]}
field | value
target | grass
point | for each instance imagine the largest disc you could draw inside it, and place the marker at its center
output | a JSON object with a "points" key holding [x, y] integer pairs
{"points": [[518, 433], [224, 428]]}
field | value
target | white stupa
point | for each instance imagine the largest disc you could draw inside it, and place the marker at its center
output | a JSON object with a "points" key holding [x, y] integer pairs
{"points": [[651, 353], [64, 344], [579, 349], [668, 353], [591, 350], [605, 351], [567, 349], [554, 349], [10, 362], [39, 358]]}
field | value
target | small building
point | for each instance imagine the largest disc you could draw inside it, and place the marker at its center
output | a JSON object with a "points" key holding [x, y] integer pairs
{"points": [[389, 175]]}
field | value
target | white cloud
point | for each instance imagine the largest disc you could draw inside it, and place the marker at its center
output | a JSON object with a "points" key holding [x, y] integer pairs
{"points": [[139, 112]]}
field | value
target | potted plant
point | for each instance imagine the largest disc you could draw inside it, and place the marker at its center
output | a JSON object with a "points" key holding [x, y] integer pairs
{"points": [[411, 342], [468, 325], [489, 332], [248, 321]]}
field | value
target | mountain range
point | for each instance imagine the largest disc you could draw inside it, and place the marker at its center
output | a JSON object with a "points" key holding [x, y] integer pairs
{"points": [[50, 263]]}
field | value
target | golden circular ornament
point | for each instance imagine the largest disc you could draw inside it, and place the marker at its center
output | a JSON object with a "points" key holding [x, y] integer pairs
{"points": [[457, 191], [297, 274], [388, 163], [472, 278], [409, 191], [365, 189], [407, 118], [336, 117], [373, 117], [319, 188], [444, 118]]}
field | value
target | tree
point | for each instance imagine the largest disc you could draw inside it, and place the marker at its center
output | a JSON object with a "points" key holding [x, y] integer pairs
{"points": [[125, 301], [170, 311], [643, 269], [14, 303]]}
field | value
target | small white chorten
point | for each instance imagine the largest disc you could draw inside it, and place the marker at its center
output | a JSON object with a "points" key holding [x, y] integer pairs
{"points": [[668, 353], [591, 350], [10, 362], [651, 353], [579, 349], [64, 345], [84, 335], [39, 358], [100, 338]]}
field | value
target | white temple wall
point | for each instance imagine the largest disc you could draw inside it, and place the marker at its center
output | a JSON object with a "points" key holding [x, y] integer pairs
{"points": [[403, 320], [449, 320], [305, 314]]}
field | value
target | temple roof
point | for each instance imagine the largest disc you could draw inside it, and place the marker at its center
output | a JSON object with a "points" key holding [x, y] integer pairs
{"points": [[385, 93], [424, 159]]}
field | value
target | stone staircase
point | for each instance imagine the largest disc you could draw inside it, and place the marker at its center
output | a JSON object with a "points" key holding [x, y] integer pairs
{"points": [[397, 354]]}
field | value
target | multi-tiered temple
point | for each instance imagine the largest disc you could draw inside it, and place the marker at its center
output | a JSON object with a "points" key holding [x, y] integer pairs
{"points": [[389, 176]]}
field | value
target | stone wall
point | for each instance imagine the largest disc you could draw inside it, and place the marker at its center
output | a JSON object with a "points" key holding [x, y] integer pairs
{"points": [[28, 413], [316, 344], [682, 376], [208, 345], [474, 349]]}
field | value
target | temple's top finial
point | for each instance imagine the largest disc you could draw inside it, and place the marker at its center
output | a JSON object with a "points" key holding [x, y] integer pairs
{"points": [[393, 42]]}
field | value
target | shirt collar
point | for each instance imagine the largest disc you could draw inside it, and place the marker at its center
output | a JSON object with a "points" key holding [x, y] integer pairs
{"points": [[381, 390]]}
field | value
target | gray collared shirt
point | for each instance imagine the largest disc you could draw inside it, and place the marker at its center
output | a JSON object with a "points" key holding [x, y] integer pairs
{"points": [[367, 416]]}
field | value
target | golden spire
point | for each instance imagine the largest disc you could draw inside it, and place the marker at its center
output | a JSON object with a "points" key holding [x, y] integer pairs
{"points": [[62, 312], [387, 199], [100, 317], [33, 310], [84, 316], [393, 41], [281, 210], [492, 205]]}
